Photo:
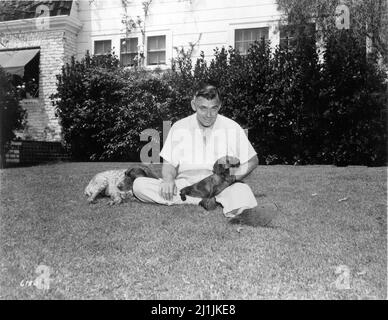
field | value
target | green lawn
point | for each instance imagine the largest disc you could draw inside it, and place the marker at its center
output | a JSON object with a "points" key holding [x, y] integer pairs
{"points": [[141, 251]]}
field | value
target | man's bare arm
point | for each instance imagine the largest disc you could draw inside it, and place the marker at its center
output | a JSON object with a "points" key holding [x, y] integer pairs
{"points": [[168, 188], [245, 169]]}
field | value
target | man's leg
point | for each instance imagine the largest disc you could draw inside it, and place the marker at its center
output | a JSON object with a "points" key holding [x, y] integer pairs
{"points": [[147, 190], [235, 198], [239, 204]]}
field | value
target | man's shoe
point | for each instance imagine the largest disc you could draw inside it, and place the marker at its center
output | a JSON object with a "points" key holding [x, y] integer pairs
{"points": [[209, 203], [260, 216]]}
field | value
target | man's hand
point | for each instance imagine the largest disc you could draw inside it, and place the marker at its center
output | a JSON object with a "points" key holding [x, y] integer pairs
{"points": [[245, 168], [168, 188]]}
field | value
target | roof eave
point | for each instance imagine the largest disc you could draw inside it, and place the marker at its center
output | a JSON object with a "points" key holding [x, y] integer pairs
{"points": [[54, 23]]}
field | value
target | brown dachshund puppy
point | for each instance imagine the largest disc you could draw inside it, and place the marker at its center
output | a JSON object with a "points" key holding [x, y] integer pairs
{"points": [[214, 184]]}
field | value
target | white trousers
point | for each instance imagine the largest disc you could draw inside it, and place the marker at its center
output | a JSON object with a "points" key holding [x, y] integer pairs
{"points": [[234, 199]]}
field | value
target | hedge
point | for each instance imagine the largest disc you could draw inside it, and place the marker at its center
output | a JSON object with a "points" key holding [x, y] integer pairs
{"points": [[12, 115], [299, 109]]}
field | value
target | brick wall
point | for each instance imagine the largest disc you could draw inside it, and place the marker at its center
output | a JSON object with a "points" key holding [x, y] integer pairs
{"points": [[56, 48], [32, 152], [36, 127]]}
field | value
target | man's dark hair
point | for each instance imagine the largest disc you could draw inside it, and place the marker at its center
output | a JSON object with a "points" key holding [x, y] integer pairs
{"points": [[207, 91]]}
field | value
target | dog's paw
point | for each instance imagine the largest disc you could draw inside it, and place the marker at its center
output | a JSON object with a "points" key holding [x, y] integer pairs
{"points": [[126, 194], [91, 201], [183, 196], [209, 203], [114, 201]]}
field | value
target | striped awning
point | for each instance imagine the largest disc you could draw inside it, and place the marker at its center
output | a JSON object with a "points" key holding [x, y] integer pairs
{"points": [[14, 61]]}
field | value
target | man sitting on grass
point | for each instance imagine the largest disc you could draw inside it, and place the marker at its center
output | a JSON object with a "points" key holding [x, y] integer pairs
{"points": [[192, 146]]}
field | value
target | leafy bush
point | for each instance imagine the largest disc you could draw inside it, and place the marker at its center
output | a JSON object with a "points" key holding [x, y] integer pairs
{"points": [[103, 107], [298, 109], [11, 114], [353, 123]]}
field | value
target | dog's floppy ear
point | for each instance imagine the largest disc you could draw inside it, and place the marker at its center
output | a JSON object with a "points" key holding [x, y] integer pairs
{"points": [[149, 173], [222, 165], [128, 172], [233, 162], [228, 162], [223, 161], [135, 172], [219, 168], [140, 171]]}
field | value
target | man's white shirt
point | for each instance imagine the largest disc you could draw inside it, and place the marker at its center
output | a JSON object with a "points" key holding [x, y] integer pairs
{"points": [[190, 148]]}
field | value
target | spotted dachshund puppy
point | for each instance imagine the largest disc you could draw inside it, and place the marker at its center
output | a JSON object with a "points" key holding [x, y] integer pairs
{"points": [[116, 184], [213, 184]]}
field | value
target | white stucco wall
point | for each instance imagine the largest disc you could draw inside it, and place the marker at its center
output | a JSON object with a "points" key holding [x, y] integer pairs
{"points": [[182, 21], [209, 23]]}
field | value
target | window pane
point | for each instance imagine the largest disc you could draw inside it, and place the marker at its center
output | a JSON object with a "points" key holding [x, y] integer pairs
{"points": [[152, 43], [102, 47], [155, 58], [133, 45], [162, 42], [245, 37], [287, 33], [238, 35], [106, 45], [127, 59], [261, 33], [156, 43], [98, 47], [246, 47], [129, 45], [239, 46]]}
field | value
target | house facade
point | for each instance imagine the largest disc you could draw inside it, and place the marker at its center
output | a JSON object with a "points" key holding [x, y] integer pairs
{"points": [[44, 35], [38, 47], [171, 24]]}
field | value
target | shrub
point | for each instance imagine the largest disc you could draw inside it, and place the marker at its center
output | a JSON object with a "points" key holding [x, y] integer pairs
{"points": [[11, 114], [353, 123], [103, 107], [88, 91], [297, 108]]}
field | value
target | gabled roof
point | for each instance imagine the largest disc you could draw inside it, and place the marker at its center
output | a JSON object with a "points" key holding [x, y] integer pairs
{"points": [[17, 10]]}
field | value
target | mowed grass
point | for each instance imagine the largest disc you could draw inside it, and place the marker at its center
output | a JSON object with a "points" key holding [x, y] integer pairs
{"points": [[145, 251]]}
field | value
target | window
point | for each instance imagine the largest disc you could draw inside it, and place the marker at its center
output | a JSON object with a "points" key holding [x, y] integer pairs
{"points": [[102, 47], [156, 50], [243, 38], [288, 33], [128, 51], [23, 66]]}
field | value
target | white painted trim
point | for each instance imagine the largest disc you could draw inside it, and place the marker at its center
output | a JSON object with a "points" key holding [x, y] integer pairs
{"points": [[115, 38], [102, 38], [55, 23], [273, 34]]}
